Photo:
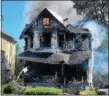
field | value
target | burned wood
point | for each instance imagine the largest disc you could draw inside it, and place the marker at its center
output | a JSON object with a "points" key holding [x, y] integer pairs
{"points": [[68, 44]]}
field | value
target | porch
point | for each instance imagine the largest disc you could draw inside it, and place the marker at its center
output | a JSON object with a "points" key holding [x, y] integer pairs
{"points": [[55, 75]]}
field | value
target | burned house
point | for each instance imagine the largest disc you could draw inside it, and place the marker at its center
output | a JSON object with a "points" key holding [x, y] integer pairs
{"points": [[55, 50]]}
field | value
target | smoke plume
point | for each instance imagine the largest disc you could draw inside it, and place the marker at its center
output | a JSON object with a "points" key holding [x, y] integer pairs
{"points": [[101, 60], [61, 9], [98, 32]]}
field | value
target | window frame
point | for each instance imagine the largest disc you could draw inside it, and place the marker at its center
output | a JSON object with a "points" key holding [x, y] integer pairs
{"points": [[43, 21], [64, 41], [50, 40]]}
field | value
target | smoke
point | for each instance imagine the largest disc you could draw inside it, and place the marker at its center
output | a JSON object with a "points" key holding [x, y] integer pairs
{"points": [[101, 60], [100, 57], [61, 10], [98, 32]]}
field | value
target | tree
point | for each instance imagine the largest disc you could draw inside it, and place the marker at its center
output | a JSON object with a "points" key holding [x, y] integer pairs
{"points": [[19, 64], [18, 49], [100, 78], [94, 9]]}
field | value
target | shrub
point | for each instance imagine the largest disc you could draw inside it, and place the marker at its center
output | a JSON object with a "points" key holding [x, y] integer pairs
{"points": [[16, 88], [42, 91], [88, 92], [13, 88], [7, 89]]}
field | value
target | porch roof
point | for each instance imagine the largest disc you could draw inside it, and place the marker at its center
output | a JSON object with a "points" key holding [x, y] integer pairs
{"points": [[77, 30], [55, 58]]}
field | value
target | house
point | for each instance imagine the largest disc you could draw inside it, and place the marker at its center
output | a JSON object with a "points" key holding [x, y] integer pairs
{"points": [[8, 50], [53, 49]]}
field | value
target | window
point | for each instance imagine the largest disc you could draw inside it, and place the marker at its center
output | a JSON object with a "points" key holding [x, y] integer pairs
{"points": [[31, 42], [2, 54], [45, 39], [61, 38], [78, 44], [46, 21]]}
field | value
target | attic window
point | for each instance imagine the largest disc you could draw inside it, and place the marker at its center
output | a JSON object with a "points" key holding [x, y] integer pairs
{"points": [[46, 21]]}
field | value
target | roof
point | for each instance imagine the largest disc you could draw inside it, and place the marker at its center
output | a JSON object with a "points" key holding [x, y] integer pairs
{"points": [[69, 27], [6, 34], [54, 58], [29, 25], [77, 30]]}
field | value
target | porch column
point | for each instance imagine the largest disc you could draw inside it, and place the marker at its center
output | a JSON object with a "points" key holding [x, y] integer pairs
{"points": [[62, 68], [36, 40], [90, 71]]}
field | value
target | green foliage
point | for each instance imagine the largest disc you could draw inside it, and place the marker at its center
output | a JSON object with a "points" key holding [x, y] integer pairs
{"points": [[42, 91], [7, 89], [100, 78], [88, 92], [19, 66], [13, 88], [94, 9], [17, 49]]}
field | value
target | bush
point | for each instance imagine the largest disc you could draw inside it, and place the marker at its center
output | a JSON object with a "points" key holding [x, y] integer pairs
{"points": [[7, 89], [13, 88], [42, 91], [88, 92], [17, 89]]}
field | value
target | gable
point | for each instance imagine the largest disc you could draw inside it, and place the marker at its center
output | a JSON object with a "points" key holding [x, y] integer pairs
{"points": [[40, 22]]}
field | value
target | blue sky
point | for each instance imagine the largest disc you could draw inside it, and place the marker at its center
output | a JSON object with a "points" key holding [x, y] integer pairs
{"points": [[13, 18]]}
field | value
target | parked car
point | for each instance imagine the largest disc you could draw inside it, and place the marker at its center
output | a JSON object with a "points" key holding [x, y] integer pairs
{"points": [[103, 91]]}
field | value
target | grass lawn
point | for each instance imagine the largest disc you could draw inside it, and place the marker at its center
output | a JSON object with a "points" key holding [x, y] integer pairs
{"points": [[88, 92]]}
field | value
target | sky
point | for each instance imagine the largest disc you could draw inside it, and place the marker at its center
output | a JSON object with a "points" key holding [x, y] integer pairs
{"points": [[13, 18]]}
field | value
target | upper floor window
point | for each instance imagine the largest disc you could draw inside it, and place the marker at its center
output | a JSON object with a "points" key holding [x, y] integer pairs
{"points": [[45, 39], [46, 21], [61, 40]]}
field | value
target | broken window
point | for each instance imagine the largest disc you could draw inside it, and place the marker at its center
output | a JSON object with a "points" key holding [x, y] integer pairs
{"points": [[45, 39], [61, 40], [70, 45], [31, 42], [46, 21], [78, 42], [86, 44], [82, 42]]}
